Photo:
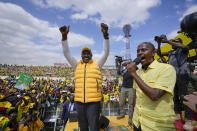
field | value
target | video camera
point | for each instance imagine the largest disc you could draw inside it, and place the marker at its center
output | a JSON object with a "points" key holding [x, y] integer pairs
{"points": [[159, 38], [120, 61]]}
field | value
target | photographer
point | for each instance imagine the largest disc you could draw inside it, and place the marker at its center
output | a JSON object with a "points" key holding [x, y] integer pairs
{"points": [[178, 58], [126, 91]]}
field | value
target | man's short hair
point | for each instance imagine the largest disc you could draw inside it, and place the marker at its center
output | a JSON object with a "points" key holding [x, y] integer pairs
{"points": [[149, 43]]}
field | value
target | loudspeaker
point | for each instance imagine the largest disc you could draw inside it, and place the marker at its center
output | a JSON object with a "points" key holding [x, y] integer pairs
{"points": [[104, 122]]}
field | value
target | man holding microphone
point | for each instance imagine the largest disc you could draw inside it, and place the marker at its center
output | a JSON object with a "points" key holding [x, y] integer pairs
{"points": [[154, 83]]}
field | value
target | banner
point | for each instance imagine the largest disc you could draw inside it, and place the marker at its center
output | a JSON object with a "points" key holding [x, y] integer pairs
{"points": [[23, 81]]}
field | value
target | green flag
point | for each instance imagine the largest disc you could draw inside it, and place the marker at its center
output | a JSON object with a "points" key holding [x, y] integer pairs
{"points": [[23, 81]]}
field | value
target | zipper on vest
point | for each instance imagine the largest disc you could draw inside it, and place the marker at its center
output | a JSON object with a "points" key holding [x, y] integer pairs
{"points": [[84, 81], [97, 84]]}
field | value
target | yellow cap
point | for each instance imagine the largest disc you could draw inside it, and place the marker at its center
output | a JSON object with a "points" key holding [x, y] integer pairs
{"points": [[33, 91], [27, 97], [86, 48]]}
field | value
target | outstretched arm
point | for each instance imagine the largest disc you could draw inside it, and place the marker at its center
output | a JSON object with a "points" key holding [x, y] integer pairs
{"points": [[173, 43], [64, 31], [105, 53], [161, 54]]}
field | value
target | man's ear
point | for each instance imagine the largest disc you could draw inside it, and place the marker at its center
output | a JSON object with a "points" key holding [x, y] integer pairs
{"points": [[153, 53]]}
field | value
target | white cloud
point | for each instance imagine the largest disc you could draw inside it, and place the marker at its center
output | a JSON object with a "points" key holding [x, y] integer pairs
{"points": [[79, 16], [65, 4], [118, 38], [78, 40], [190, 10], [172, 34], [39, 3], [116, 13], [25, 39]]}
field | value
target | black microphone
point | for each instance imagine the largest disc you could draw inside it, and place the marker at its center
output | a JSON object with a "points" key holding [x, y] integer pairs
{"points": [[136, 61]]}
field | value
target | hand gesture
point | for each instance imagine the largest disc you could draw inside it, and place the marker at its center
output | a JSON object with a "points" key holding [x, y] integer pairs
{"points": [[131, 68], [64, 31], [195, 93], [104, 29], [191, 101]]}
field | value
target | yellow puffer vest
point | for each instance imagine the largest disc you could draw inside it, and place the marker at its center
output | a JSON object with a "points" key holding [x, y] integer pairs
{"points": [[88, 82]]}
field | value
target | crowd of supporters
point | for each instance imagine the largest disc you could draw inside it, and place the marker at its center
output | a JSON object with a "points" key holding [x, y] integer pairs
{"points": [[24, 109], [16, 70]]}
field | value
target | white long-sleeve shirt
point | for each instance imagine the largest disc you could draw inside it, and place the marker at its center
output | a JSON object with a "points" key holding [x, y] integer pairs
{"points": [[73, 62]]}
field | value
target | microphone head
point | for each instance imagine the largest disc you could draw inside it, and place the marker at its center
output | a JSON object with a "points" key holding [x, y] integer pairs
{"points": [[137, 60]]}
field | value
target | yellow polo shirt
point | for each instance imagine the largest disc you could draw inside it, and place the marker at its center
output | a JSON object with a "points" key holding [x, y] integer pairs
{"points": [[155, 115]]}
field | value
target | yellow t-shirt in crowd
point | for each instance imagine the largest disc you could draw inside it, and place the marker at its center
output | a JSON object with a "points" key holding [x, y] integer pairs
{"points": [[155, 115], [105, 98]]}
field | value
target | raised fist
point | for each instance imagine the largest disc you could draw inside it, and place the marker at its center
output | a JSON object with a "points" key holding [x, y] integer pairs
{"points": [[64, 29], [104, 29]]}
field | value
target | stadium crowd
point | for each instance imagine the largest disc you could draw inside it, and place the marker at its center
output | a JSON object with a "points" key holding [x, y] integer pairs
{"points": [[16, 70], [24, 109]]}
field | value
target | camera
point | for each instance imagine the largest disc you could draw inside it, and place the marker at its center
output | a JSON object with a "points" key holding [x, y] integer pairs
{"points": [[118, 60], [159, 38]]}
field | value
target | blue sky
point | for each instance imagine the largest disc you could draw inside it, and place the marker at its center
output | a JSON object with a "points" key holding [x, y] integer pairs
{"points": [[29, 28]]}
